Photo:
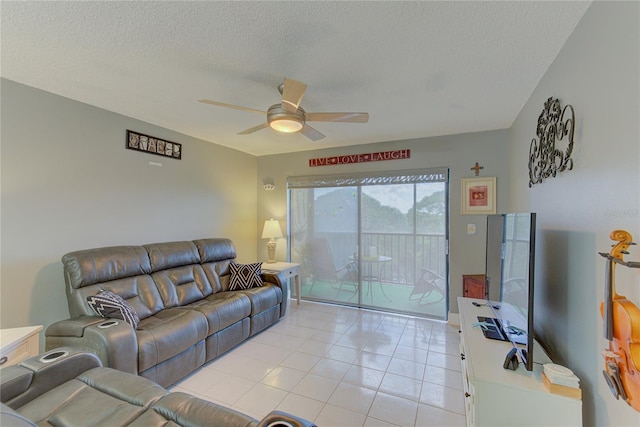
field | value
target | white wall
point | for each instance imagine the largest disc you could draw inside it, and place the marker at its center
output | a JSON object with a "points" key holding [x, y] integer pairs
{"points": [[597, 72], [458, 152], [68, 183]]}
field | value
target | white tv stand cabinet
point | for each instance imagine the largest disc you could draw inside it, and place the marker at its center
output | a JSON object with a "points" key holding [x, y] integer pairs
{"points": [[495, 396]]}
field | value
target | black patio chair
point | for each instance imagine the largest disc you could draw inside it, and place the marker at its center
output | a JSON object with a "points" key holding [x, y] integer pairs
{"points": [[430, 283]]}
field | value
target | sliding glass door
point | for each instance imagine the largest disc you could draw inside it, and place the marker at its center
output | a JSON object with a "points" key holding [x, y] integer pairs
{"points": [[375, 241]]}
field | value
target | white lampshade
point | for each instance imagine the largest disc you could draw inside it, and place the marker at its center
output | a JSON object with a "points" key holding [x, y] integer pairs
{"points": [[271, 229]]}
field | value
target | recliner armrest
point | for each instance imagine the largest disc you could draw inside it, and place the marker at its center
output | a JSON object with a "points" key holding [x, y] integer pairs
{"points": [[113, 340], [283, 419], [39, 374]]}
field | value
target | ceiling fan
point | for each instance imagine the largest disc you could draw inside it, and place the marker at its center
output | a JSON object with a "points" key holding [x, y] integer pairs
{"points": [[289, 117]]}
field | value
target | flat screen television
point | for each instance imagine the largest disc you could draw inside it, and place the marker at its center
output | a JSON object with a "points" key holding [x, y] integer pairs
{"points": [[510, 262]]}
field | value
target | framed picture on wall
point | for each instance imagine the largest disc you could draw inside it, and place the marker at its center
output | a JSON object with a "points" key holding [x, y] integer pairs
{"points": [[479, 196]]}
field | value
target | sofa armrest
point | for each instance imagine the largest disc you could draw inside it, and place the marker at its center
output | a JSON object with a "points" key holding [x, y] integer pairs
{"points": [[275, 278], [113, 340], [281, 280], [282, 419], [39, 374]]}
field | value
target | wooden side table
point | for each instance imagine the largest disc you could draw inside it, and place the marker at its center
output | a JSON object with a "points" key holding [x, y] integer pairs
{"points": [[288, 270], [18, 344], [473, 285]]}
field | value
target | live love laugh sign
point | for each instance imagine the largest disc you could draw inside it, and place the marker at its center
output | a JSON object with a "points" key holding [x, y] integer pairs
{"points": [[360, 158]]}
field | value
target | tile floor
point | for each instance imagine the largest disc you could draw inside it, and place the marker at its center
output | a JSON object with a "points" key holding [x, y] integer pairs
{"points": [[341, 366]]}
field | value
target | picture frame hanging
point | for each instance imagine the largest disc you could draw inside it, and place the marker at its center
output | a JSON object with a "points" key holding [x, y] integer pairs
{"points": [[150, 144], [479, 196]]}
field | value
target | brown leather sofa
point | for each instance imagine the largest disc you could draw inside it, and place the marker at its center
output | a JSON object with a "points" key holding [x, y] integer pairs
{"points": [[180, 291], [69, 387]]}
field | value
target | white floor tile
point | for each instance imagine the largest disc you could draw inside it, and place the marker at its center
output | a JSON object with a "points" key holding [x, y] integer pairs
{"points": [[404, 387], [411, 353], [228, 388], [330, 368], [316, 387], [406, 368], [334, 416], [301, 361], [341, 366], [373, 360], [372, 422], [364, 377], [353, 398], [261, 399], [442, 376], [429, 416], [343, 354], [443, 397], [394, 410], [283, 378], [446, 361], [301, 406]]}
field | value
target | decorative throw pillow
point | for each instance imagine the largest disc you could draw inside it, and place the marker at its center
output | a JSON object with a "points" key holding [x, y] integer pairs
{"points": [[111, 305], [245, 276]]}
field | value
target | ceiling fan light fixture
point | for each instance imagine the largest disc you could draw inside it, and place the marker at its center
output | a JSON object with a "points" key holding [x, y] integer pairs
{"points": [[285, 121], [286, 125]]}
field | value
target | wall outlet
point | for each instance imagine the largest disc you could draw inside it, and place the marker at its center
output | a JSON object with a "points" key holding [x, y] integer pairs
{"points": [[471, 229]]}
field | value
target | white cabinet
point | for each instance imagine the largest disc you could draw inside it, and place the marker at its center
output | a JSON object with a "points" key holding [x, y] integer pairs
{"points": [[495, 396], [18, 344]]}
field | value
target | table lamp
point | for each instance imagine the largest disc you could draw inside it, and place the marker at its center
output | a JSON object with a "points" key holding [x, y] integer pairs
{"points": [[271, 231]]}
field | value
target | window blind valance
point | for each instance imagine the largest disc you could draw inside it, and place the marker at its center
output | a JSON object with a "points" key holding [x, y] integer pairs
{"points": [[412, 176]]}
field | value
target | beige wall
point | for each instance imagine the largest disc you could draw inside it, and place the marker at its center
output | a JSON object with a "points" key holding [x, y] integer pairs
{"points": [[68, 183], [458, 152], [597, 72]]}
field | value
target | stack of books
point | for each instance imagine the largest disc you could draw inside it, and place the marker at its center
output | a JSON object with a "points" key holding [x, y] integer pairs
{"points": [[561, 380]]}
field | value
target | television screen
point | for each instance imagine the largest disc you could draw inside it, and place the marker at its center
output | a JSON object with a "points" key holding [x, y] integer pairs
{"points": [[493, 261], [515, 286]]}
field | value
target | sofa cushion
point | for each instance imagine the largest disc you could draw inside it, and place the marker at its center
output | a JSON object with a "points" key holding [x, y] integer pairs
{"points": [[168, 333], [263, 298], [172, 254], [182, 285], [245, 276], [90, 266], [223, 309], [216, 249], [108, 304]]}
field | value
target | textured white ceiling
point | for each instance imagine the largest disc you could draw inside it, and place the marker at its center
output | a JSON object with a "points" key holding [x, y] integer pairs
{"points": [[418, 68]]}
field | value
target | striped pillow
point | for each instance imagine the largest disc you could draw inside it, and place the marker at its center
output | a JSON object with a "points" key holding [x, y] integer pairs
{"points": [[245, 276], [113, 306]]}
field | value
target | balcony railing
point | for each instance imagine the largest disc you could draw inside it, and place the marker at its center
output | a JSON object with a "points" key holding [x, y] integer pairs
{"points": [[408, 253]]}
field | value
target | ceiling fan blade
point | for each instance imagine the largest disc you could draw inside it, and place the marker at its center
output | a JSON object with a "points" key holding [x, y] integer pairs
{"points": [[222, 104], [292, 94], [338, 117], [311, 133], [254, 129]]}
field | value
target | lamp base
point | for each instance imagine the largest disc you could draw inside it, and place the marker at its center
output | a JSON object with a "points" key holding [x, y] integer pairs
{"points": [[271, 251]]}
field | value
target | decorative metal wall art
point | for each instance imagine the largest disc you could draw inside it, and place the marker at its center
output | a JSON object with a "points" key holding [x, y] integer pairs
{"points": [[551, 152]]}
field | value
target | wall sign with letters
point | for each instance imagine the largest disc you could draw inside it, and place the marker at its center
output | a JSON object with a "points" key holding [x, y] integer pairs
{"points": [[149, 144], [360, 158]]}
